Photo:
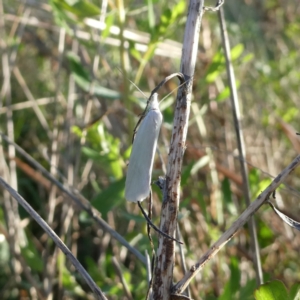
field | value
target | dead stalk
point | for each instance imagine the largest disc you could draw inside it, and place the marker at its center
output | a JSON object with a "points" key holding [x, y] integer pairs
{"points": [[163, 272], [241, 146]]}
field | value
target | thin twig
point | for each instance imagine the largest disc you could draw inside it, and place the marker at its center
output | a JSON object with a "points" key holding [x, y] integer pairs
{"points": [[235, 227], [29, 104], [16, 234], [241, 146], [182, 257], [149, 272], [51, 257], [55, 238], [122, 279], [30, 97]]}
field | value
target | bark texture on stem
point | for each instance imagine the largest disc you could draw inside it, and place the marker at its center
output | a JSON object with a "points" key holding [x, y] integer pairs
{"points": [[163, 272]]}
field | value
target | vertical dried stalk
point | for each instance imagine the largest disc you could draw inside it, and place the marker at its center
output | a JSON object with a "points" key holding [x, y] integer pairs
{"points": [[164, 263], [241, 146], [16, 235]]}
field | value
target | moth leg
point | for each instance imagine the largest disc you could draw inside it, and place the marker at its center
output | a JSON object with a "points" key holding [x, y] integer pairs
{"points": [[154, 227], [150, 207]]}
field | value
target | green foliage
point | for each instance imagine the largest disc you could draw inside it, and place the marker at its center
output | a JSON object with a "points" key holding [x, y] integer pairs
{"points": [[168, 17], [83, 79], [273, 290], [110, 197], [32, 257], [70, 11], [233, 285], [74, 116], [217, 67], [227, 197]]}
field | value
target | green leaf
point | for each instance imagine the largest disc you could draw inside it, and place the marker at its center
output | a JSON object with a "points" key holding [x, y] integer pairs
{"points": [[112, 161], [134, 52], [273, 290], [83, 79], [248, 57], [216, 67], [289, 114], [109, 21], [246, 292], [32, 257], [233, 285], [295, 292], [186, 173], [79, 8], [227, 196], [225, 94], [236, 51], [167, 19], [111, 197], [77, 67], [61, 18], [151, 15], [265, 234], [254, 180]]}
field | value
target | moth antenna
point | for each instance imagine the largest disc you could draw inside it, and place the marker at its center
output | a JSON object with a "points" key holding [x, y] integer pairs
{"points": [[134, 85], [137, 88], [173, 91]]}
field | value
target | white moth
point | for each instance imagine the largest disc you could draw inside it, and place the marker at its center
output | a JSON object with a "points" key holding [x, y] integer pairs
{"points": [[137, 186]]}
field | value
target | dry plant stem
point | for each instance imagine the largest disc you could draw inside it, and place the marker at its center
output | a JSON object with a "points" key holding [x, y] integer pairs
{"points": [[89, 105], [55, 238], [28, 104], [31, 279], [96, 61], [166, 48], [124, 60], [68, 140], [13, 54], [50, 257], [241, 146], [10, 207], [164, 263], [182, 258], [122, 279], [238, 224], [83, 204], [30, 98]]}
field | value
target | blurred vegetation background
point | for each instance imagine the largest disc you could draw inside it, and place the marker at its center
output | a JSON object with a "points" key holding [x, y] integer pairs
{"points": [[67, 101]]}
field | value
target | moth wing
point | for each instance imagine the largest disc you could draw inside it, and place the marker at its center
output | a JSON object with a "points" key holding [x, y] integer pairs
{"points": [[137, 186]]}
